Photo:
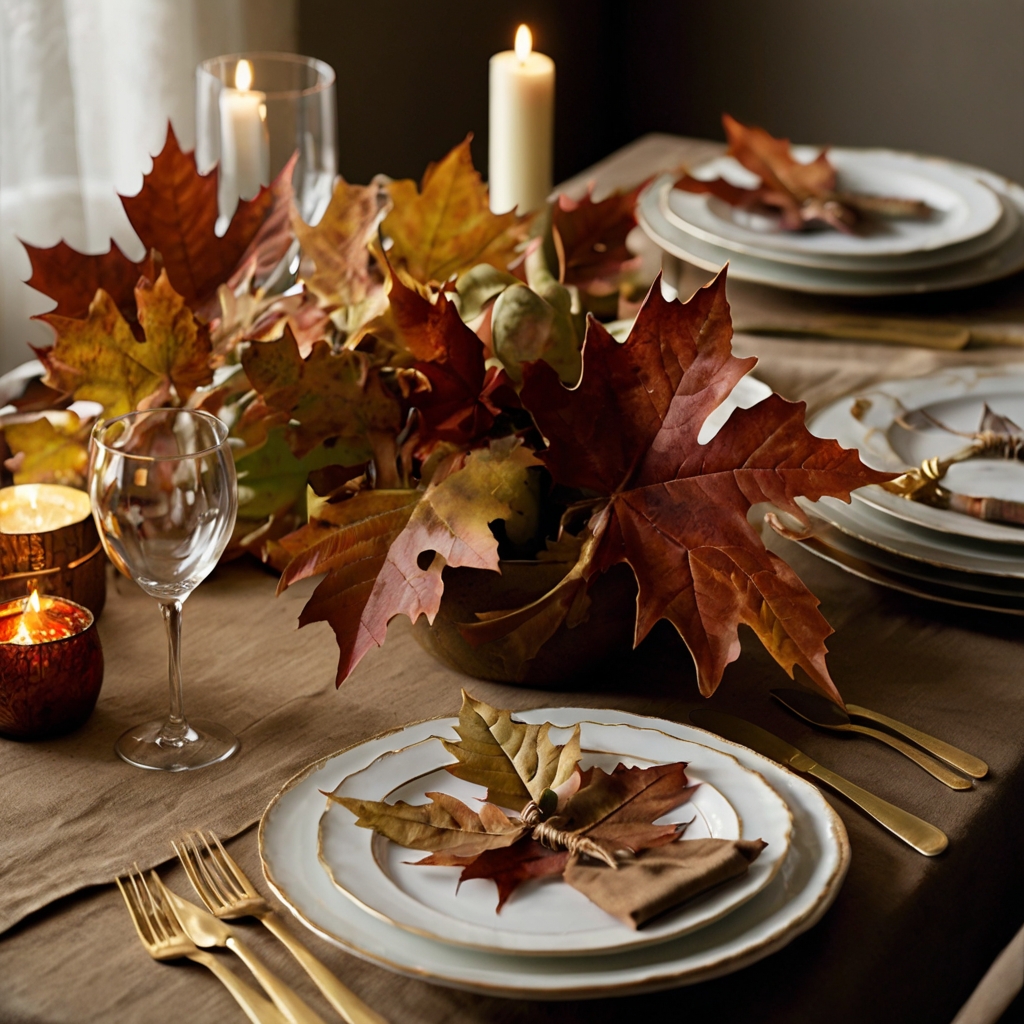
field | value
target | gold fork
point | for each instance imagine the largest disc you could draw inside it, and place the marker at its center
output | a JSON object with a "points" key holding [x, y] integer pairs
{"points": [[226, 890], [163, 939]]}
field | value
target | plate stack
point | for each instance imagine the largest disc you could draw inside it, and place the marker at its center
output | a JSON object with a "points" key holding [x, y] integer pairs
{"points": [[974, 235], [922, 549], [361, 892]]}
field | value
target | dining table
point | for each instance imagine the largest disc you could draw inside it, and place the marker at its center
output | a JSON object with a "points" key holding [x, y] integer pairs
{"points": [[908, 938]]}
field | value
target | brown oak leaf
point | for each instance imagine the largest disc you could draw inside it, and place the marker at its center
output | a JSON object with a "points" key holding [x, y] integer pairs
{"points": [[98, 359], [446, 226], [676, 510]]}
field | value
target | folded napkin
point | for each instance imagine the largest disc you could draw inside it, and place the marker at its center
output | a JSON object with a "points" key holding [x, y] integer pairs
{"points": [[662, 878]]}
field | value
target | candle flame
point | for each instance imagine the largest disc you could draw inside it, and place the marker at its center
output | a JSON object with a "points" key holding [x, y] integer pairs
{"points": [[243, 76], [23, 634], [524, 43]]}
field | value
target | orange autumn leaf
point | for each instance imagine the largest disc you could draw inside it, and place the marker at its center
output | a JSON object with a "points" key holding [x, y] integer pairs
{"points": [[326, 395], [98, 359], [675, 510], [446, 226]]}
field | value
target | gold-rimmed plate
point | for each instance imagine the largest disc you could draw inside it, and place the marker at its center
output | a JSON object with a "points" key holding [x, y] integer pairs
{"points": [[794, 900], [544, 917]]}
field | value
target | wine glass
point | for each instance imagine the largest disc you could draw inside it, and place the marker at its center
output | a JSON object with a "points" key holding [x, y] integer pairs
{"points": [[164, 497]]}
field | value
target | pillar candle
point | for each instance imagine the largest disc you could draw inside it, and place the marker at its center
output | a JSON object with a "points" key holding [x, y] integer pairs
{"points": [[244, 141], [522, 102]]}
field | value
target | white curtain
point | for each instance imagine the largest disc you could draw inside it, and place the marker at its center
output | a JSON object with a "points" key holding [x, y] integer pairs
{"points": [[86, 88]]}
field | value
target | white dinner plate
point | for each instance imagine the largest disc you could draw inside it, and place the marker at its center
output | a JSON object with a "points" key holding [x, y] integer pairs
{"points": [[877, 566], [1003, 260], [943, 550], [543, 917], [956, 397], [965, 208], [1006, 227], [795, 899]]}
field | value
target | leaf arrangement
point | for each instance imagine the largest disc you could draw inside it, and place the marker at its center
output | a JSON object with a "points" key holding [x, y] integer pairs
{"points": [[435, 390], [567, 819], [801, 194]]}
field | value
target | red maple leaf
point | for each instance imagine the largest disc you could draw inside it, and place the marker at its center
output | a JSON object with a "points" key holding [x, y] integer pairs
{"points": [[174, 213], [676, 510], [592, 237], [464, 396]]}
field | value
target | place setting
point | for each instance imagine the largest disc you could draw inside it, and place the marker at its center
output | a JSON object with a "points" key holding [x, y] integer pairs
{"points": [[536, 507]]}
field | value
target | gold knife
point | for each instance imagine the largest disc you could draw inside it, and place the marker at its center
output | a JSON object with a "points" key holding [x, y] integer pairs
{"points": [[915, 832], [938, 334]]}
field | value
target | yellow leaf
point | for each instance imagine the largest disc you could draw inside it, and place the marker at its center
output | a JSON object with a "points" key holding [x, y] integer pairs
{"points": [[446, 226], [515, 761], [98, 359], [50, 450]]}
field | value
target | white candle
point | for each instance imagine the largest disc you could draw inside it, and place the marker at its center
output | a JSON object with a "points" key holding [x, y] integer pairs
{"points": [[521, 126], [244, 141]]}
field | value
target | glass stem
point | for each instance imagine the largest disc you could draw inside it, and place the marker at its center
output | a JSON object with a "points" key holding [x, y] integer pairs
{"points": [[176, 728]]}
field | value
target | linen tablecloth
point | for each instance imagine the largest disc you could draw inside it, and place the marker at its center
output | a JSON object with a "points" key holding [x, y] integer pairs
{"points": [[907, 939]]}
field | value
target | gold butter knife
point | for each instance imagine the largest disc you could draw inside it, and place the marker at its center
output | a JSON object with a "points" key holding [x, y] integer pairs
{"points": [[914, 831]]}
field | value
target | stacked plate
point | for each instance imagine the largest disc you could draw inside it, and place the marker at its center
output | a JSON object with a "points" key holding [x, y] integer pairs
{"points": [[975, 234], [549, 942], [931, 552]]}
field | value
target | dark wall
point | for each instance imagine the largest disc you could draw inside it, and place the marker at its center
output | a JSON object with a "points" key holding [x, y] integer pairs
{"points": [[940, 76]]}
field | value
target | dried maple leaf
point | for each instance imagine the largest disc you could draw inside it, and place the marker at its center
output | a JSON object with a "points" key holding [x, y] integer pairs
{"points": [[514, 761], [326, 395], [175, 212], [51, 449], [463, 396], [446, 226], [72, 278], [99, 360], [386, 556], [590, 238], [801, 193], [676, 510]]}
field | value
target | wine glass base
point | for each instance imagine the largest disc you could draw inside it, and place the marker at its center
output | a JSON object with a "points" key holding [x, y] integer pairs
{"points": [[205, 743]]}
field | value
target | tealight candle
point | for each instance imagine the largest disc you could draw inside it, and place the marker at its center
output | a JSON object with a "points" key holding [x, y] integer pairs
{"points": [[521, 126], [48, 542], [244, 140], [51, 666]]}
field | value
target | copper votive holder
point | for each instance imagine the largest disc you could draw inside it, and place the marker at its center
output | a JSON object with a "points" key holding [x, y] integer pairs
{"points": [[51, 667], [49, 543]]}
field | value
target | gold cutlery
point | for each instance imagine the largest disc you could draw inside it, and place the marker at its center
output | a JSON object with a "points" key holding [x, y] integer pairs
{"points": [[915, 832], [163, 939], [954, 756], [824, 714], [938, 334], [205, 930], [226, 890]]}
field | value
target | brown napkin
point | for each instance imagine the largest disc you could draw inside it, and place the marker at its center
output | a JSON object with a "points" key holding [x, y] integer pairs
{"points": [[662, 878]]}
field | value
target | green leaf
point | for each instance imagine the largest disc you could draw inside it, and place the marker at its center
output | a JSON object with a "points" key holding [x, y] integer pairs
{"points": [[271, 478]]}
